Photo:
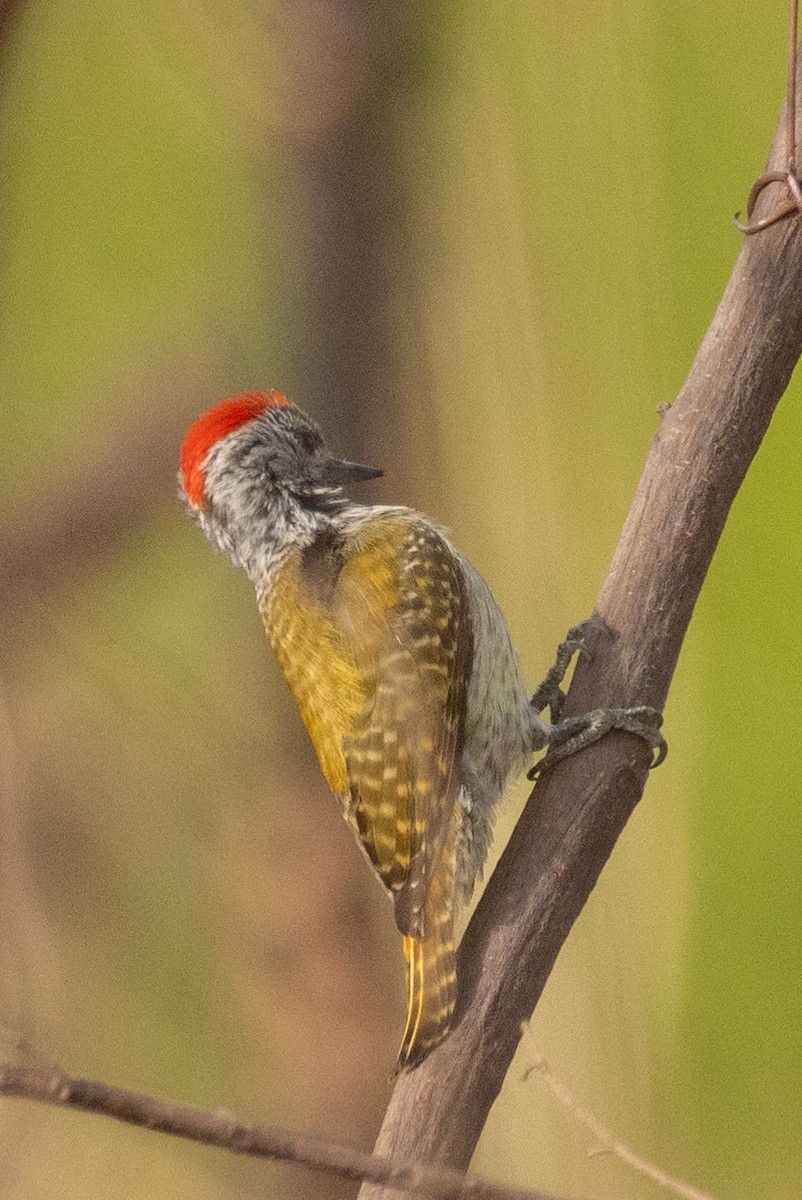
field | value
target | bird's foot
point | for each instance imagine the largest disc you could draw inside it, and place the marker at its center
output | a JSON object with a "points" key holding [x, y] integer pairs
{"points": [[575, 733], [550, 694]]}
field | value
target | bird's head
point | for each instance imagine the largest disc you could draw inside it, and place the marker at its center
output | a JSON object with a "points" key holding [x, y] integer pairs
{"points": [[256, 473]]}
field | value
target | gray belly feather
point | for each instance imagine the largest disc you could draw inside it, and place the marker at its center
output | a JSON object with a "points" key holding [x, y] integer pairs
{"points": [[502, 730]]}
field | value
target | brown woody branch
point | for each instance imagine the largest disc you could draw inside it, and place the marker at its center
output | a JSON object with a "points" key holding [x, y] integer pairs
{"points": [[49, 1085], [697, 463], [607, 1141]]}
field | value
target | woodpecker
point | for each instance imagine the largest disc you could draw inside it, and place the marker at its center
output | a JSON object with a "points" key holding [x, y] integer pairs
{"points": [[401, 664]]}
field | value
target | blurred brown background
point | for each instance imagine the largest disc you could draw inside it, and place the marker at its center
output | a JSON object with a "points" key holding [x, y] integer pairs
{"points": [[480, 244]]}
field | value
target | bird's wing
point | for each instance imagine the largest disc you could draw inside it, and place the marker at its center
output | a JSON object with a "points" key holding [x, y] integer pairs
{"points": [[400, 607]]}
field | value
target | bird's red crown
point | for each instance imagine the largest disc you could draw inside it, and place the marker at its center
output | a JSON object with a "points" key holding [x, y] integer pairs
{"points": [[217, 423]]}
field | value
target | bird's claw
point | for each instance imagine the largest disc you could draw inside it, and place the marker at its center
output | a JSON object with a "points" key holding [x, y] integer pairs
{"points": [[576, 733], [549, 694]]}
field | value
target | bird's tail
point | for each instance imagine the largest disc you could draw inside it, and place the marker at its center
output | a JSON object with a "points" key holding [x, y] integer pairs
{"points": [[431, 981]]}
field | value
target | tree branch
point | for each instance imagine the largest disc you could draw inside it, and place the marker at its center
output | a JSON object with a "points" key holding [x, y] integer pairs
{"points": [[49, 1085], [609, 1142], [568, 829]]}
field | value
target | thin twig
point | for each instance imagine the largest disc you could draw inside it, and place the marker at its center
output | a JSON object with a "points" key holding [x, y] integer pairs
{"points": [[790, 119], [49, 1085], [608, 1139], [788, 174]]}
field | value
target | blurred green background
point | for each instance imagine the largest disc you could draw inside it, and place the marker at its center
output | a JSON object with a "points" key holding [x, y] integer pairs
{"points": [[480, 243]]}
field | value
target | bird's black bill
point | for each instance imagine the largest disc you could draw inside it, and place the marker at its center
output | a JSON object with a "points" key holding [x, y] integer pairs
{"points": [[337, 472]]}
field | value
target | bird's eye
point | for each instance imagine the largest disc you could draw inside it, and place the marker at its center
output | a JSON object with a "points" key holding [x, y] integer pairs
{"points": [[308, 440]]}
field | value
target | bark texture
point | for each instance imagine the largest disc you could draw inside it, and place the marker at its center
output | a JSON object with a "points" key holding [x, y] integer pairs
{"points": [[698, 460]]}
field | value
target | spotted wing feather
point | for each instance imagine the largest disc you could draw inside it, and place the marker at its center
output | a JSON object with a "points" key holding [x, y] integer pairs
{"points": [[401, 606]]}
